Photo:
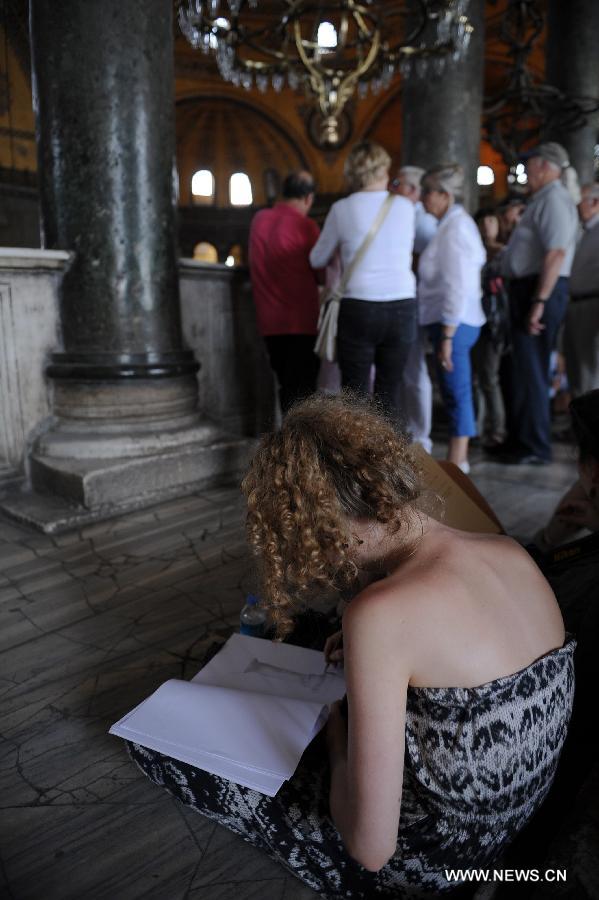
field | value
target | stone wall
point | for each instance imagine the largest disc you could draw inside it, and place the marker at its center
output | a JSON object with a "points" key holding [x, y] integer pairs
{"points": [[235, 382], [29, 331], [236, 388]]}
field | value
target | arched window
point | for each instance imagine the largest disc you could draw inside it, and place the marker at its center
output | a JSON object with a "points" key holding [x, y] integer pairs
{"points": [[517, 174], [240, 190], [205, 252], [202, 186], [326, 37], [485, 176]]}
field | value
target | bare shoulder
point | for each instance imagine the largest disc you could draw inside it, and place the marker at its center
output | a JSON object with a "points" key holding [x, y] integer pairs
{"points": [[389, 612]]}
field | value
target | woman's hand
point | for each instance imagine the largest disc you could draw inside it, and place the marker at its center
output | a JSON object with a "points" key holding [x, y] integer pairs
{"points": [[333, 648], [444, 354]]}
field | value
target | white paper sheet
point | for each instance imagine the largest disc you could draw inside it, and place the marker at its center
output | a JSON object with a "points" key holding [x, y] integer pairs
{"points": [[266, 667], [247, 716]]}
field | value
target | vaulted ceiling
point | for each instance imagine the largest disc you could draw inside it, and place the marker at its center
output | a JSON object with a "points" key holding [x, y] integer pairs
{"points": [[228, 129]]}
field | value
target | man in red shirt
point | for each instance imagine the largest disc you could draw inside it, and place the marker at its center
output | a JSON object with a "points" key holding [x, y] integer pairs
{"points": [[285, 287]]}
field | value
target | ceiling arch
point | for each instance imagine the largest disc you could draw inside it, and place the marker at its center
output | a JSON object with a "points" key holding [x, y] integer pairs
{"points": [[228, 135]]}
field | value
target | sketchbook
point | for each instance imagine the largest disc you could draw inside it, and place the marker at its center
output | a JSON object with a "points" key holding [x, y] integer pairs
{"points": [[247, 716], [459, 509]]}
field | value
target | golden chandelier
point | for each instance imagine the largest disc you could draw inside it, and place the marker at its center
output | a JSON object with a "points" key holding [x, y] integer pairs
{"points": [[329, 49]]}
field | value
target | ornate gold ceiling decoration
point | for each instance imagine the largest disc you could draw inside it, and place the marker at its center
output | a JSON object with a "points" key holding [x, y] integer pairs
{"points": [[331, 50]]}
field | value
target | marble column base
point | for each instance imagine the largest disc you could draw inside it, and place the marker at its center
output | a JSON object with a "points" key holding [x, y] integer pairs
{"points": [[70, 492], [111, 440]]}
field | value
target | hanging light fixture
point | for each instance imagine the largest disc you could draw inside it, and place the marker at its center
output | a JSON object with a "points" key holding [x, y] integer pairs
{"points": [[524, 108], [331, 49]]}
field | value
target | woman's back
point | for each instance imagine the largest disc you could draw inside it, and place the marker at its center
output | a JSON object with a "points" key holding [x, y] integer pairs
{"points": [[490, 688], [484, 609], [385, 272]]}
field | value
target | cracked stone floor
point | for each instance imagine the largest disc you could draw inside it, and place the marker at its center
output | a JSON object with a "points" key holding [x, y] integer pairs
{"points": [[94, 620]]}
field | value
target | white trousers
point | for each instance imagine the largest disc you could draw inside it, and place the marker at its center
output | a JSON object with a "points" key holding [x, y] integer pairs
{"points": [[581, 345], [417, 394]]}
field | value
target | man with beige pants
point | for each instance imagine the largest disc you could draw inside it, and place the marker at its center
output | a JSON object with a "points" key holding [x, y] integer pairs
{"points": [[416, 387], [581, 329]]}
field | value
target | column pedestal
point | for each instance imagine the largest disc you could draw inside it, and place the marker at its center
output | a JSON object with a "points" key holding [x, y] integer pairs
{"points": [[126, 430]]}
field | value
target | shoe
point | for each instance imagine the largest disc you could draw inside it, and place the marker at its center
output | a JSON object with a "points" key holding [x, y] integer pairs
{"points": [[531, 459], [464, 467], [489, 444], [499, 448], [522, 459]]}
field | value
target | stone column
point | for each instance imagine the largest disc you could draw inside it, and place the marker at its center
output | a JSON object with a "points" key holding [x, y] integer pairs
{"points": [[124, 386], [441, 116], [572, 65]]}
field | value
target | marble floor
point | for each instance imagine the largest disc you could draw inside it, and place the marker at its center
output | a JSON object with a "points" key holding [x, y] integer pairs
{"points": [[94, 620]]}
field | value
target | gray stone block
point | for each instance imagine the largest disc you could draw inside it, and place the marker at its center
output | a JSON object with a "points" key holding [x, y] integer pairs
{"points": [[72, 493]]}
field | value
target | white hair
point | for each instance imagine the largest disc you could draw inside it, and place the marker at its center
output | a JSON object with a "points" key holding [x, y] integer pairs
{"points": [[447, 178], [412, 174], [569, 179]]}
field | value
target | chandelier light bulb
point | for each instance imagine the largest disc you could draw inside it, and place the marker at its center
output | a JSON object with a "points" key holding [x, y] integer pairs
{"points": [[326, 37]]}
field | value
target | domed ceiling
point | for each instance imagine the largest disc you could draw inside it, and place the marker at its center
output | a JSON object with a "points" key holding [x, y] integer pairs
{"points": [[226, 135]]}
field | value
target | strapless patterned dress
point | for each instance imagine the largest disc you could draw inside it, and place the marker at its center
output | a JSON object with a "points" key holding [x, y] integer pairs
{"points": [[478, 764]]}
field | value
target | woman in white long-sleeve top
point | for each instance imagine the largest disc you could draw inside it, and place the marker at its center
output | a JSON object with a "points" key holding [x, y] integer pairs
{"points": [[378, 318], [449, 295]]}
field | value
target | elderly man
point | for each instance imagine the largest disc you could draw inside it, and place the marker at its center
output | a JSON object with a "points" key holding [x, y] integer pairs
{"points": [[416, 388], [407, 184], [538, 259], [285, 288], [581, 331]]}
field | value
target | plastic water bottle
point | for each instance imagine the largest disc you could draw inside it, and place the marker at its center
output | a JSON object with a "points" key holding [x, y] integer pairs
{"points": [[252, 620]]}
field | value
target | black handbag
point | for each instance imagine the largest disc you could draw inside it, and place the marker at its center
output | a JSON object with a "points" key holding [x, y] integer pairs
{"points": [[496, 307]]}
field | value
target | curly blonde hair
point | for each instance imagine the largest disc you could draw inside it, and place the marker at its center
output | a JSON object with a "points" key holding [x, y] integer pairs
{"points": [[335, 458], [365, 163]]}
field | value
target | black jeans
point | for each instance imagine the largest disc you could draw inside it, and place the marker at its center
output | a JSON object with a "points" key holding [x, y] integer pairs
{"points": [[380, 334], [530, 419], [295, 364]]}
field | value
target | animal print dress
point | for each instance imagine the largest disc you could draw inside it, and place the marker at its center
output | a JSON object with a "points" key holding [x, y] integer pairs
{"points": [[478, 763]]}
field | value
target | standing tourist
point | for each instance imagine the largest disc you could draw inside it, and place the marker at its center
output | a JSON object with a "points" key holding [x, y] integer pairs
{"points": [[407, 183], [538, 259], [378, 315], [494, 336], [509, 211], [285, 288], [449, 295], [416, 387], [581, 331]]}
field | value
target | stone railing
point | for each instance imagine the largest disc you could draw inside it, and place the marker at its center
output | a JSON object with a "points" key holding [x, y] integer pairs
{"points": [[236, 388], [29, 331]]}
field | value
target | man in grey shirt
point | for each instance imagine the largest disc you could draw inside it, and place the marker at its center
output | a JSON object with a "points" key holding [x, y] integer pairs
{"points": [[581, 330], [538, 259]]}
